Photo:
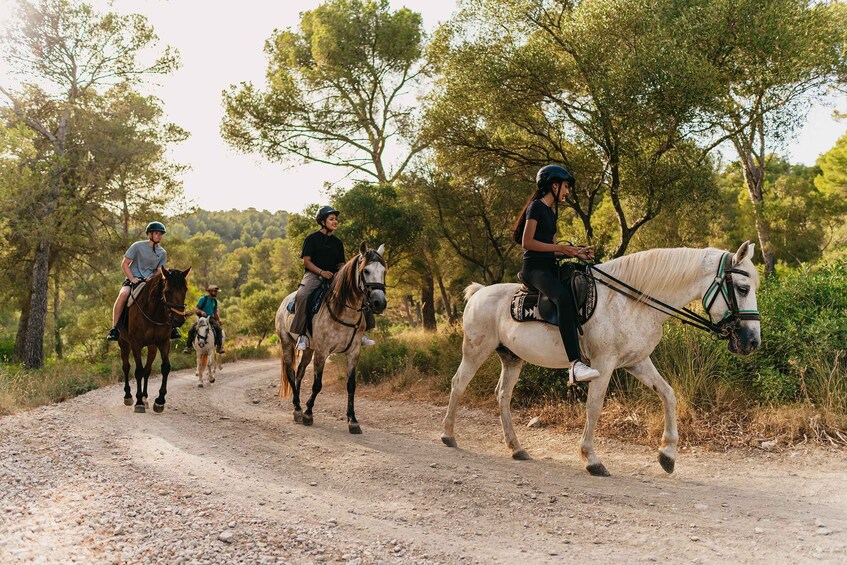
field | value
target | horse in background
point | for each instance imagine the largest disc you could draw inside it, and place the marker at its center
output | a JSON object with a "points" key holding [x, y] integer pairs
{"points": [[336, 328], [148, 321], [623, 332], [204, 345]]}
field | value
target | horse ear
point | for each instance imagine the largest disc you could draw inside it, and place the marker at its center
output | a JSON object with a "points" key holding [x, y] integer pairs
{"points": [[363, 248], [746, 250], [185, 272], [381, 249], [166, 273]]}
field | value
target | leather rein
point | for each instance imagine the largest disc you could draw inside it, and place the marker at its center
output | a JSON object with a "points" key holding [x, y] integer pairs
{"points": [[722, 285], [178, 309]]}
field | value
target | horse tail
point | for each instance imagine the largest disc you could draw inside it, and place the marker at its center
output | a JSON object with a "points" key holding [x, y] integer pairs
{"points": [[471, 290], [284, 385]]}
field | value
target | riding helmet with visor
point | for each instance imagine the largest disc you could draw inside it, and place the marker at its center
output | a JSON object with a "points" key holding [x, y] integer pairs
{"points": [[549, 174], [324, 213], [155, 226]]}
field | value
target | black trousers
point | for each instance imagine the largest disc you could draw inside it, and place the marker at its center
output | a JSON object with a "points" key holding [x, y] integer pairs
{"points": [[561, 295]]}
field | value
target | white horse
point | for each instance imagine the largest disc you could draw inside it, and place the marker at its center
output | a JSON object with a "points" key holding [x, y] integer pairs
{"points": [[336, 328], [204, 345], [622, 333]]}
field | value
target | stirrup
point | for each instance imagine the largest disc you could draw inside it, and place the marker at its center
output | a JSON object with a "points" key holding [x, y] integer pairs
{"points": [[581, 373]]}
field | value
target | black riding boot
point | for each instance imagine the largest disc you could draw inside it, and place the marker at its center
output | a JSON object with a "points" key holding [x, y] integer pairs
{"points": [[175, 333], [114, 334]]}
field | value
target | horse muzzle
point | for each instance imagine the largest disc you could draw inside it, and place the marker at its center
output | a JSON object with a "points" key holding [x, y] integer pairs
{"points": [[744, 341], [377, 301]]}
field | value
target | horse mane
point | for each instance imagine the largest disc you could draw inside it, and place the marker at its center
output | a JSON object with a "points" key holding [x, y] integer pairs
{"points": [[344, 288], [657, 270]]}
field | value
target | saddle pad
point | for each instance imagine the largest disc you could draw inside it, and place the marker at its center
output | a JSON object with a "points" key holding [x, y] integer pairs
{"points": [[134, 292], [530, 306], [314, 301]]}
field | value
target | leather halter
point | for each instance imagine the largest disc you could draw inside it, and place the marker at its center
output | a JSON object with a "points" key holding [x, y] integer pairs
{"points": [[722, 285]]}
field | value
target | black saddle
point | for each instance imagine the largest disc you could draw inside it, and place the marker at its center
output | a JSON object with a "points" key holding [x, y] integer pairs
{"points": [[529, 305], [313, 304]]}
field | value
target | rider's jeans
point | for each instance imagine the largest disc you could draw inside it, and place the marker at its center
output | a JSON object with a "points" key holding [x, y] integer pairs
{"points": [[310, 283]]}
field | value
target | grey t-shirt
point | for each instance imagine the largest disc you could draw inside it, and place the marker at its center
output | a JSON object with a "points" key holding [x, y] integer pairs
{"points": [[145, 260]]}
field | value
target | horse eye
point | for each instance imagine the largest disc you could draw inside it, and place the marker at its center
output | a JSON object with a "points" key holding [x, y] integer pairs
{"points": [[367, 271], [744, 290]]}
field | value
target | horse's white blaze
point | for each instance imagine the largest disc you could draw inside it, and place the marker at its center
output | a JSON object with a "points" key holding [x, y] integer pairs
{"points": [[622, 333]]}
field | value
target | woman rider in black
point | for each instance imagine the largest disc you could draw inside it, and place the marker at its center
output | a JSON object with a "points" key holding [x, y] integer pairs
{"points": [[534, 230]]}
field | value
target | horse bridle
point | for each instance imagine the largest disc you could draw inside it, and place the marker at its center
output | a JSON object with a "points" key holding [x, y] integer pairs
{"points": [[366, 288], [178, 309], [203, 337], [722, 285]]}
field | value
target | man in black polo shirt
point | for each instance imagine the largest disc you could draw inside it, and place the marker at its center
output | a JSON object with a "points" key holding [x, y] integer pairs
{"points": [[323, 255]]}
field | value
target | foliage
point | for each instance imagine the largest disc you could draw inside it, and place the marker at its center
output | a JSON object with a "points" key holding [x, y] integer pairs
{"points": [[337, 90]]}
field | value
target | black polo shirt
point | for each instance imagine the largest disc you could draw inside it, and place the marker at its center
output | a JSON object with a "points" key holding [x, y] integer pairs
{"points": [[326, 251]]}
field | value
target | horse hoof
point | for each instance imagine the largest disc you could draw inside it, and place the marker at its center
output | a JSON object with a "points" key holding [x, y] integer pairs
{"points": [[158, 408], [521, 455], [128, 401], [140, 409], [598, 470], [354, 428], [308, 419], [211, 380], [666, 462], [448, 441], [298, 417], [199, 385]]}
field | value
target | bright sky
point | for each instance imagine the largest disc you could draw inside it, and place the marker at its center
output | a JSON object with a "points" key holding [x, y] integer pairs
{"points": [[221, 43]]}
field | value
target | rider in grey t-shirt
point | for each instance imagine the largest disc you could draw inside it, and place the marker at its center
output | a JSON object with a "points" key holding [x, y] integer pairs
{"points": [[142, 260]]}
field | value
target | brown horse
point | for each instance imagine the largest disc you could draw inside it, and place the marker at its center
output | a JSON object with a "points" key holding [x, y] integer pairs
{"points": [[159, 306]]}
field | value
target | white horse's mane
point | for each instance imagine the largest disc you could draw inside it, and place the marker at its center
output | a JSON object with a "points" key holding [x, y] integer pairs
{"points": [[657, 270]]}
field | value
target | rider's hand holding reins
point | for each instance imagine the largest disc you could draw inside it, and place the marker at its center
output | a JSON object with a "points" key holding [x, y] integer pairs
{"points": [[326, 275]]}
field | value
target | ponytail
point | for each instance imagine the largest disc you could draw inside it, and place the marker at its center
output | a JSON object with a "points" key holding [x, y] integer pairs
{"points": [[517, 229]]}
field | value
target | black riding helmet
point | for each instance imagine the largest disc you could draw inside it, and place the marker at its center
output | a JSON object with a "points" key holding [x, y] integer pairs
{"points": [[155, 226], [549, 174], [324, 213]]}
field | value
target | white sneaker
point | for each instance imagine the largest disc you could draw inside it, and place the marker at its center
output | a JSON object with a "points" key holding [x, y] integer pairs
{"points": [[582, 373], [367, 341], [303, 343]]}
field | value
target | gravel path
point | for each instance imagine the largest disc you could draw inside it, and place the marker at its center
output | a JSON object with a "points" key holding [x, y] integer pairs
{"points": [[225, 476]]}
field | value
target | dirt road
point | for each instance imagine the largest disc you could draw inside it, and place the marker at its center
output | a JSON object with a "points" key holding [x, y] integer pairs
{"points": [[225, 476]]}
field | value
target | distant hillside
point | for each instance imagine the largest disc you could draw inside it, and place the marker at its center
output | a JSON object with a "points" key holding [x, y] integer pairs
{"points": [[237, 228]]}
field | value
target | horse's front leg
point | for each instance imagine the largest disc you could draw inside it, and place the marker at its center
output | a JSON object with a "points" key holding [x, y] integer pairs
{"points": [[296, 384], [646, 373], [317, 384], [593, 408], [201, 366], [148, 368], [510, 371], [352, 424], [159, 403], [125, 366], [210, 365], [140, 407]]}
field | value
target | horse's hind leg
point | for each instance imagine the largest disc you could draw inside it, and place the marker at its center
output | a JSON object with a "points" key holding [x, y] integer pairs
{"points": [[317, 384], [125, 366], [164, 349], [511, 370], [474, 354], [139, 378], [305, 359], [646, 373]]}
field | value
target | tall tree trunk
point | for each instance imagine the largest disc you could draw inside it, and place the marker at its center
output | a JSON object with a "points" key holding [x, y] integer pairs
{"points": [[446, 298], [428, 302], [33, 354], [57, 326], [754, 178]]}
